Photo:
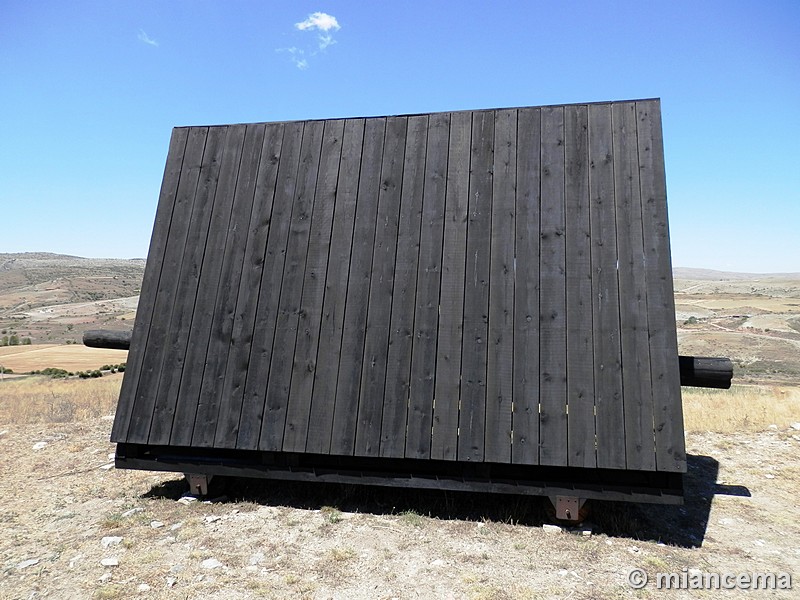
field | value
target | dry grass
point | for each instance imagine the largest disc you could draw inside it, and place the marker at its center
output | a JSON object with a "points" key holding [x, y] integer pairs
{"points": [[45, 400], [742, 408], [24, 359]]}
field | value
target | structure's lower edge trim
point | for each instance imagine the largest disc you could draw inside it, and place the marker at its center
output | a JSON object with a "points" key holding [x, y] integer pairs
{"points": [[599, 484]]}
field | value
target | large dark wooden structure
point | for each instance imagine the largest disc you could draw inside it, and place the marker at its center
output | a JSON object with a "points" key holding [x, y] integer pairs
{"points": [[472, 300]]}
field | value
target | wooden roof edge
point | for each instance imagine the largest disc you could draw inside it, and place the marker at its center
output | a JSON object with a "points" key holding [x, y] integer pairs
{"points": [[438, 112]]}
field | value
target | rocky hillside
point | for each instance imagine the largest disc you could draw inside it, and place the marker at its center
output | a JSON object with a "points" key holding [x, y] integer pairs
{"points": [[52, 298]]}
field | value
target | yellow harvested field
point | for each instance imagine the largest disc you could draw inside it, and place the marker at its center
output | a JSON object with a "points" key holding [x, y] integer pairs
{"points": [[23, 359]]}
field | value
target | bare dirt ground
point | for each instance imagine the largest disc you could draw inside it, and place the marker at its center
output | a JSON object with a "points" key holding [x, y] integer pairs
{"points": [[62, 514]]}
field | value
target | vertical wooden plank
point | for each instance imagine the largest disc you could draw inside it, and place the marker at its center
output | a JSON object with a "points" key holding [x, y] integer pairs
{"points": [[373, 369], [345, 416], [426, 312], [255, 387], [203, 316], [152, 274], [139, 428], [580, 359], [500, 376], [280, 371], [219, 345], [472, 418], [447, 395], [330, 338], [634, 338], [305, 354], [553, 294], [665, 374], [525, 446], [177, 339], [401, 328], [609, 416], [249, 286]]}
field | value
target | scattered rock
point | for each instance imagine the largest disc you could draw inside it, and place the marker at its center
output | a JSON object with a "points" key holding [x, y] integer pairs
{"points": [[110, 540], [773, 427], [211, 563], [156, 524], [74, 559], [187, 499], [107, 418], [796, 426], [112, 456], [106, 467], [255, 559], [28, 563], [105, 577], [175, 526], [143, 587], [39, 445], [211, 519], [131, 512], [171, 581], [111, 561], [548, 528], [437, 563], [2, 433], [634, 550], [769, 476]]}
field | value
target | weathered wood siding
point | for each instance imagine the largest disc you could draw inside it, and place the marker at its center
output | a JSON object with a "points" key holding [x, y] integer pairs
{"points": [[485, 286]]}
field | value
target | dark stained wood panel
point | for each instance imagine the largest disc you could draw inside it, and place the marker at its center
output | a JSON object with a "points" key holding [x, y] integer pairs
{"points": [[332, 325], [227, 429], [152, 274], [242, 189], [552, 294], [605, 292], [145, 399], [401, 330], [426, 316], [345, 417], [481, 286], [667, 409], [580, 352], [255, 387], [634, 337], [188, 395], [280, 371], [177, 339], [376, 345], [500, 346], [525, 422], [472, 416], [305, 354], [447, 395]]}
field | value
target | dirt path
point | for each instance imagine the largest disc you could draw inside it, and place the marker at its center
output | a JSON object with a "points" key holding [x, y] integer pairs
{"points": [[61, 514]]}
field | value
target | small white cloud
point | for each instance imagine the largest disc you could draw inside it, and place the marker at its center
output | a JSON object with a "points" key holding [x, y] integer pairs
{"points": [[324, 25], [319, 20], [143, 37]]}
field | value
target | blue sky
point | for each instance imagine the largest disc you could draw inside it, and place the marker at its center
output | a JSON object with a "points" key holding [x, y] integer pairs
{"points": [[90, 91]]}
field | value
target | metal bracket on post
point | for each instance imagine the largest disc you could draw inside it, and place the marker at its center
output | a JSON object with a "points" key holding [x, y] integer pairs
{"points": [[198, 483], [568, 508]]}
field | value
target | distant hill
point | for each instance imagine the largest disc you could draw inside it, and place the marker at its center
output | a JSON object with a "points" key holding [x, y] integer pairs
{"points": [[711, 275], [53, 298]]}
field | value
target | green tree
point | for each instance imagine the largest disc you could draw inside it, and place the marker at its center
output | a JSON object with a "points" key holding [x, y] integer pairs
{"points": [[13, 340], [26, 341], [4, 341]]}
